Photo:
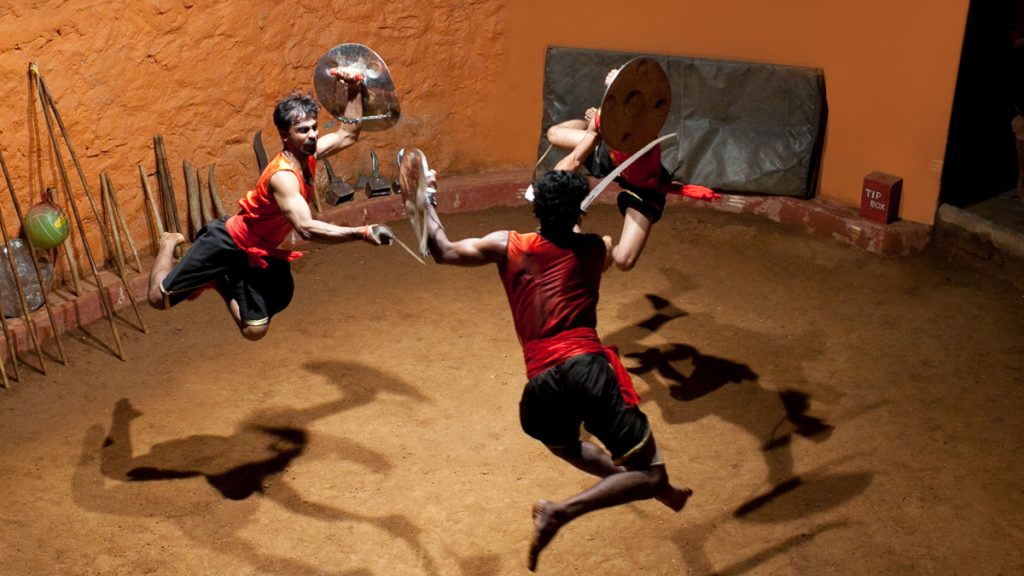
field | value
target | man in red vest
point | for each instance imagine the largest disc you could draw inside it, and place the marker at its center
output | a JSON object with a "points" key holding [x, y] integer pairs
{"points": [[644, 183], [552, 278], [240, 255]]}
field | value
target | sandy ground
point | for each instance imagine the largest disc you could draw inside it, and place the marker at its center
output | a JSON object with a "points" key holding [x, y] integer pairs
{"points": [[835, 412]]}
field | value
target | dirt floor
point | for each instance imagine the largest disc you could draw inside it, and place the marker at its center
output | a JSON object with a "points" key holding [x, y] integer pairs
{"points": [[835, 412]]}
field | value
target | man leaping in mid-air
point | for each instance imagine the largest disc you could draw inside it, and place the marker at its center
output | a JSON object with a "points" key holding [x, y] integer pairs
{"points": [[240, 255], [552, 279], [644, 183]]}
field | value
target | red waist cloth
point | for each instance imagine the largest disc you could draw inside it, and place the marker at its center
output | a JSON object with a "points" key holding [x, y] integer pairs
{"points": [[256, 253], [546, 353]]}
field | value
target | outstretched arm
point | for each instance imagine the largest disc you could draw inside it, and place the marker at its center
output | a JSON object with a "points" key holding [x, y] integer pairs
{"points": [[347, 133], [285, 187], [467, 252]]}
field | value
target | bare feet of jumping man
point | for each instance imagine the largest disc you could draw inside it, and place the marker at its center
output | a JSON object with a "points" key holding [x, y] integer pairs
{"points": [[545, 526], [549, 517], [162, 266], [169, 241], [674, 498]]}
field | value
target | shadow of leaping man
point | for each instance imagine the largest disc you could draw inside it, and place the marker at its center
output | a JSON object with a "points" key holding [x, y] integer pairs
{"points": [[251, 461]]}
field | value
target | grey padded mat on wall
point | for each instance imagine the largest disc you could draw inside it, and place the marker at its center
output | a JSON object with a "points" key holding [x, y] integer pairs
{"points": [[743, 127]]}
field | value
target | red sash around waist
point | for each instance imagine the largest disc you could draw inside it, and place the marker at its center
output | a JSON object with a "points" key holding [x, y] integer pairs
{"points": [[546, 353]]}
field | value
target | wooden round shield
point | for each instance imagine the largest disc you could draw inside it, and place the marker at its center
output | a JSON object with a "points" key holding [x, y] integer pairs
{"points": [[380, 102], [635, 105]]}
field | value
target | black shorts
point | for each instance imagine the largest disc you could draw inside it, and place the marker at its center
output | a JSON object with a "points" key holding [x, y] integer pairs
{"points": [[582, 390], [215, 258], [647, 201]]}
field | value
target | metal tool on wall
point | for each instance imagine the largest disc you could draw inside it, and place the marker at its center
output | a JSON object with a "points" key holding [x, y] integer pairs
{"points": [[376, 185], [361, 181], [338, 190]]}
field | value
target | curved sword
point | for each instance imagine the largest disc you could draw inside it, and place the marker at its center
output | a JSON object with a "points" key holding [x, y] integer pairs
{"points": [[618, 170]]}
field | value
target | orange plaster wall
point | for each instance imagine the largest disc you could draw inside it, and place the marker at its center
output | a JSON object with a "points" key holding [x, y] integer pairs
{"points": [[206, 74], [890, 70]]}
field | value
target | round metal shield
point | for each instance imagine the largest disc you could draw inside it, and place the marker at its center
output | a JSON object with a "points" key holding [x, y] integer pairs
{"points": [[635, 105], [380, 102]]}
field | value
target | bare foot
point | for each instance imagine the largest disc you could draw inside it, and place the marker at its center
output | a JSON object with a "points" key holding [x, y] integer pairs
{"points": [[544, 529], [162, 266], [168, 240], [674, 498]]}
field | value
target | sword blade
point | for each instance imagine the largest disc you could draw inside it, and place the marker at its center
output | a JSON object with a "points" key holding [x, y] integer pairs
{"points": [[409, 250], [618, 170]]}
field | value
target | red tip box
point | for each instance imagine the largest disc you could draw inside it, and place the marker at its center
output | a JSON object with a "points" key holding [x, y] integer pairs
{"points": [[881, 197]]}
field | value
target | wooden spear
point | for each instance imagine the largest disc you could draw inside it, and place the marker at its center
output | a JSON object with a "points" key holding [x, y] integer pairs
{"points": [[119, 259], [192, 197], [29, 325], [157, 228], [116, 205], [107, 239], [218, 206], [45, 94], [69, 255], [108, 306], [172, 221], [12, 347], [205, 207]]}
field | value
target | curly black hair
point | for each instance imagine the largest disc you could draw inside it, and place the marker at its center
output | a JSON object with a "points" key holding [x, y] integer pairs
{"points": [[294, 108], [556, 202]]}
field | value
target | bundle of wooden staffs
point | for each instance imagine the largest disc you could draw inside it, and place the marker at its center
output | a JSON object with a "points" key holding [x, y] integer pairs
{"points": [[113, 228]]}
